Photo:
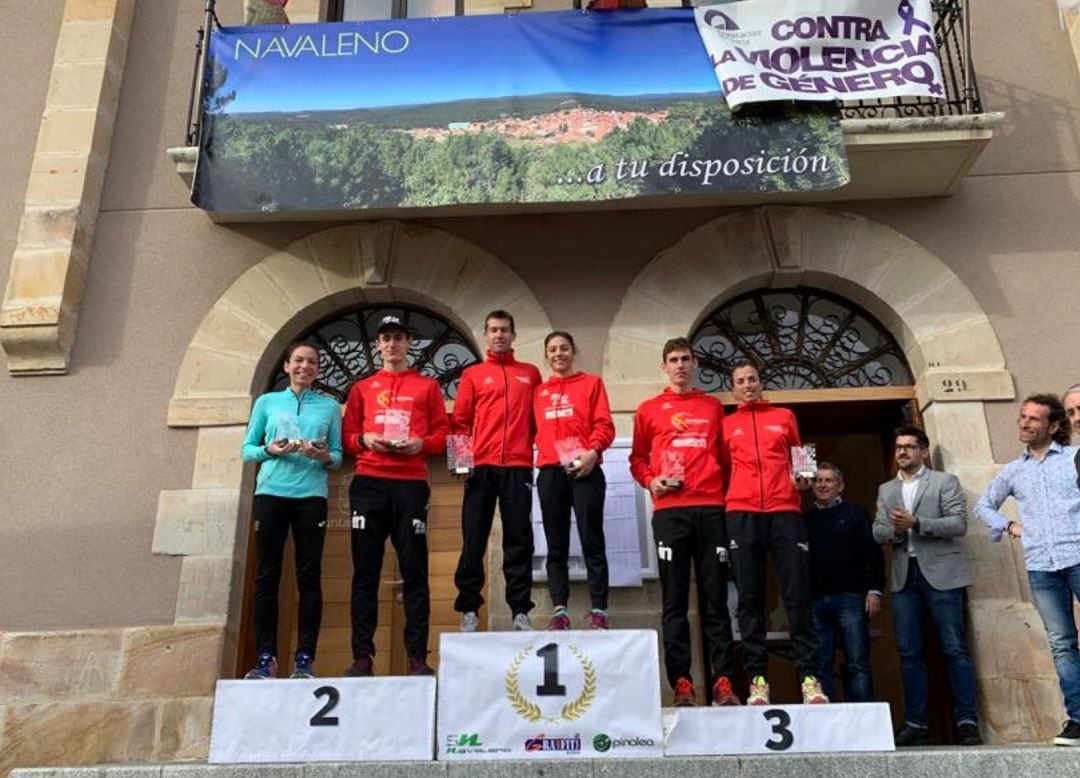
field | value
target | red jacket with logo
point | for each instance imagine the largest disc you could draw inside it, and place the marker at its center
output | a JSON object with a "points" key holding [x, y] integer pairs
{"points": [[494, 405], [688, 425], [757, 458], [572, 407], [409, 391]]}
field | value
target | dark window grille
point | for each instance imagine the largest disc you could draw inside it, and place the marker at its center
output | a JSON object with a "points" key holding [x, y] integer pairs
{"points": [[798, 339], [347, 350], [387, 9]]}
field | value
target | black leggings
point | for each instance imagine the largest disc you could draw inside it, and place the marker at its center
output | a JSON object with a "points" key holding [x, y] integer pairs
{"points": [[274, 516], [559, 492]]}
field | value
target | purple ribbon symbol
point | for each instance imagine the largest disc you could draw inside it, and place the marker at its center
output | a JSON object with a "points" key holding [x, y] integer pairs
{"points": [[907, 13]]}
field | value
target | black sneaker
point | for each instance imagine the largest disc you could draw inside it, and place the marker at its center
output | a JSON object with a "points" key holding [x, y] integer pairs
{"points": [[967, 734], [418, 663], [1070, 735], [909, 736], [363, 667]]}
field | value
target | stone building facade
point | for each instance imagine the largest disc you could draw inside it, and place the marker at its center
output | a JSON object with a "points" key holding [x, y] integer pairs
{"points": [[137, 331]]}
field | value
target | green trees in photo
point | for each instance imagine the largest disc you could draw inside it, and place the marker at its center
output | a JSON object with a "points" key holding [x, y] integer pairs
{"points": [[312, 162]]}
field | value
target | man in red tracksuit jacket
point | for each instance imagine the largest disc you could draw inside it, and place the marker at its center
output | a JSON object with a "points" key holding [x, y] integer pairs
{"points": [[676, 456], [763, 517], [394, 420], [494, 406]]}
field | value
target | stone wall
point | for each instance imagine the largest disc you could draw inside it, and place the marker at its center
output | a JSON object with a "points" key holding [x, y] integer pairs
{"points": [[110, 695]]}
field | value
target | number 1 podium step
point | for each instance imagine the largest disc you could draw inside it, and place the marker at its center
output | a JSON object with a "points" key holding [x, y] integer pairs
{"points": [[778, 729], [323, 720], [524, 695]]}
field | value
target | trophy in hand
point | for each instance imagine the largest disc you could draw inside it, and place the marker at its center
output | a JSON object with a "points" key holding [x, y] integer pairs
{"points": [[396, 427], [804, 461], [459, 454], [672, 469], [287, 431], [319, 440], [569, 452]]}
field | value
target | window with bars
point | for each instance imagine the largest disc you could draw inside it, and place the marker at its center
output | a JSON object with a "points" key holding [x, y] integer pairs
{"points": [[347, 350], [371, 10], [799, 339]]}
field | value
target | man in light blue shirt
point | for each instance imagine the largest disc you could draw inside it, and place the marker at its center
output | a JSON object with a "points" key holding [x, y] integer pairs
{"points": [[1043, 482]]}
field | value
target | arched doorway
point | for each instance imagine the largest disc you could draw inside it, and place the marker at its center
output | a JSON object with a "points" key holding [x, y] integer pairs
{"points": [[347, 355], [236, 352], [950, 347], [857, 387]]}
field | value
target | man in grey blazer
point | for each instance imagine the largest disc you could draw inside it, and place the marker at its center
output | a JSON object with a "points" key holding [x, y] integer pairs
{"points": [[922, 513]]}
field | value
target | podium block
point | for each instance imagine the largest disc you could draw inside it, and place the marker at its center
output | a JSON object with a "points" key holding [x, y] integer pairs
{"points": [[323, 720], [778, 729], [521, 695]]}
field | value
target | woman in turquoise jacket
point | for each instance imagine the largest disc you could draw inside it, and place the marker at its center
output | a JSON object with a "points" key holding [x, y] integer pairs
{"points": [[295, 435]]}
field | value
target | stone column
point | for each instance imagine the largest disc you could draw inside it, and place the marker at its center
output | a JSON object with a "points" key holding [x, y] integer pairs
{"points": [[48, 269]]}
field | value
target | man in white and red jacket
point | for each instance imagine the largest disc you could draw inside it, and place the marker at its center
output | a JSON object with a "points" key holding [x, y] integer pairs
{"points": [[394, 420], [676, 456], [494, 406], [763, 517]]}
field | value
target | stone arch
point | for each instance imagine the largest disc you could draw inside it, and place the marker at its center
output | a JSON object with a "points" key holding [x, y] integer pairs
{"points": [[940, 325], [239, 342], [957, 362]]}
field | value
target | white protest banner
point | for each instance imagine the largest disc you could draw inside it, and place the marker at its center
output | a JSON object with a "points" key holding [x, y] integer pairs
{"points": [[520, 695], [821, 49], [779, 729], [323, 720]]}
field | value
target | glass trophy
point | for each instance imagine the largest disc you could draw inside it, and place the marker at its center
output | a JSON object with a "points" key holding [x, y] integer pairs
{"points": [[396, 427], [319, 439], [459, 454], [569, 451], [286, 430], [673, 469], [804, 460]]}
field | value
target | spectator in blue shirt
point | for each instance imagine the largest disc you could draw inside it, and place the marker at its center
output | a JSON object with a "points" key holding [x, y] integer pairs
{"points": [[1043, 482]]}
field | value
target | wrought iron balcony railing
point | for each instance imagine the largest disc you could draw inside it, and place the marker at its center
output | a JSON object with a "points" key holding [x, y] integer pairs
{"points": [[952, 32]]}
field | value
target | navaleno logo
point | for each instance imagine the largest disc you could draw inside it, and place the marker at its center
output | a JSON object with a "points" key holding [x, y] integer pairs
{"points": [[342, 44]]}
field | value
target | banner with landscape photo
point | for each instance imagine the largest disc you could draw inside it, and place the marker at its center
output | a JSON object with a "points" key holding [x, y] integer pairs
{"points": [[527, 108]]}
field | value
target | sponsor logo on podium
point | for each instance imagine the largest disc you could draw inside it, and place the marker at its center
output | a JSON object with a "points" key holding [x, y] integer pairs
{"points": [[470, 743], [570, 745]]}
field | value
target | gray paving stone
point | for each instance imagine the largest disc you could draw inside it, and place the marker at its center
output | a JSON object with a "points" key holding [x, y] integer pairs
{"points": [[133, 771], [532, 768], [56, 772], [985, 762], [203, 770], [376, 770], [670, 767], [853, 765]]}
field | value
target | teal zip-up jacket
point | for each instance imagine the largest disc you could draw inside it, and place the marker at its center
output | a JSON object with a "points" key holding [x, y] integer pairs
{"points": [[311, 416]]}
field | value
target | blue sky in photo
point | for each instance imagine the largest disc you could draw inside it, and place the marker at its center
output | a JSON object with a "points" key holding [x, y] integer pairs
{"points": [[618, 53]]}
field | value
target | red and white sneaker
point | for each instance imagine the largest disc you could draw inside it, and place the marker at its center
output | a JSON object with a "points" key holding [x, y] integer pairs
{"points": [[598, 620], [811, 691], [684, 693], [723, 694], [560, 621], [759, 691]]}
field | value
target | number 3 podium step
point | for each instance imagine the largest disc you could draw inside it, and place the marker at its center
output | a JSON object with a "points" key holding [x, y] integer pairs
{"points": [[778, 729]]}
